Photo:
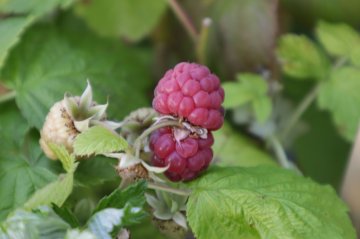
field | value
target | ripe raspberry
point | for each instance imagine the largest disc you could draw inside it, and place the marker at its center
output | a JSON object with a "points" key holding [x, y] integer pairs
{"points": [[190, 91], [186, 158]]}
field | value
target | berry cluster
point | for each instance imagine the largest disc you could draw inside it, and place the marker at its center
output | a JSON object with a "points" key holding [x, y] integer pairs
{"points": [[191, 93]]}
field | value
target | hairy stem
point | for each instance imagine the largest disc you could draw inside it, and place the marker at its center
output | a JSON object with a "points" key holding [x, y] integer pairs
{"points": [[147, 132], [203, 41], [184, 19], [7, 96], [280, 152], [166, 188]]}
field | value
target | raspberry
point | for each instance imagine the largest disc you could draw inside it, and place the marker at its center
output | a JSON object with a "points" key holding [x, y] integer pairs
{"points": [[191, 92], [186, 158]]}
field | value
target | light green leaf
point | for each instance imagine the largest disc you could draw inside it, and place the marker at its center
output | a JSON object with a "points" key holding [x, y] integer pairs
{"points": [[10, 31], [67, 160], [233, 149], [132, 19], [262, 108], [355, 56], [77, 234], [67, 57], [41, 223], [301, 58], [104, 222], [133, 195], [265, 202], [338, 39], [98, 140], [56, 192], [340, 95], [35, 7], [248, 88]]}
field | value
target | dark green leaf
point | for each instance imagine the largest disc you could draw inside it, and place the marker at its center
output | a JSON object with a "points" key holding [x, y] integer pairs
{"points": [[67, 58], [132, 195], [132, 19], [265, 202], [67, 215]]}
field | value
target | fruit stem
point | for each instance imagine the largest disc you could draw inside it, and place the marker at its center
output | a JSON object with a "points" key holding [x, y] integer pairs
{"points": [[184, 19], [163, 187], [280, 153], [203, 40], [148, 131], [7, 96]]}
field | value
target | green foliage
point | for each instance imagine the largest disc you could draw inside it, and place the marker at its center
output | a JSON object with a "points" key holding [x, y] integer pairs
{"points": [[338, 39], [41, 223], [72, 56], [33, 7], [23, 168], [252, 89], [263, 202], [67, 215], [132, 19], [132, 195], [67, 160], [301, 58], [10, 31], [340, 95], [98, 140], [233, 149]]}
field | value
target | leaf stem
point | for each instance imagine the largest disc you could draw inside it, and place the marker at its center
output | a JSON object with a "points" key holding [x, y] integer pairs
{"points": [[148, 131], [203, 40], [280, 153], [166, 188], [7, 96], [184, 19], [302, 107]]}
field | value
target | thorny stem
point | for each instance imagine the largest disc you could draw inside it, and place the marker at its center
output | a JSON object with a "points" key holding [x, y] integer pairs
{"points": [[184, 19], [148, 131], [306, 102], [166, 188], [7, 96], [203, 40]]}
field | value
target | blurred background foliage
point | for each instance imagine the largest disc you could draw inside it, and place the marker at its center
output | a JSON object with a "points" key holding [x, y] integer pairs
{"points": [[124, 47]]}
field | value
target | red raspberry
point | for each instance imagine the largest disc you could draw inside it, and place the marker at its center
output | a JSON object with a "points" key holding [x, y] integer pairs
{"points": [[186, 159], [190, 91]]}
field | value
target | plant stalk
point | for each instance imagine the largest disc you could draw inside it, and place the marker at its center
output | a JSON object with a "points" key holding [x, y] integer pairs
{"points": [[203, 41], [7, 96], [165, 188], [280, 153], [184, 19]]}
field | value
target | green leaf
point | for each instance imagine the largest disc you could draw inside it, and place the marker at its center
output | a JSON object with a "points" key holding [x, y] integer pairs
{"points": [[338, 39], [67, 215], [67, 160], [340, 95], [233, 149], [23, 167], [104, 222], [68, 56], [56, 192], [133, 195], [10, 31], [41, 223], [98, 140], [250, 88], [35, 7], [265, 202], [77, 234], [301, 58], [132, 19]]}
